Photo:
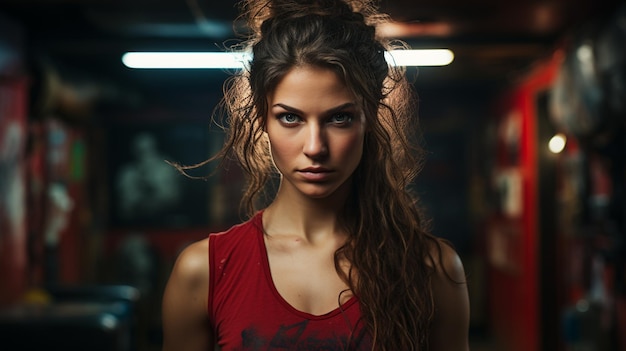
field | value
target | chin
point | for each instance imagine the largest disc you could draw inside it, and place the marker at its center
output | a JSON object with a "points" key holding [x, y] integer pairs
{"points": [[320, 191], [318, 194]]}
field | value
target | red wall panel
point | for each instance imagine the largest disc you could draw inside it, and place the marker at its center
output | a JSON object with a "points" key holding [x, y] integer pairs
{"points": [[513, 227]]}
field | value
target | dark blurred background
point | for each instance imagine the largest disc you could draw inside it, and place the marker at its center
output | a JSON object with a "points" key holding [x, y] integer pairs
{"points": [[92, 218]]}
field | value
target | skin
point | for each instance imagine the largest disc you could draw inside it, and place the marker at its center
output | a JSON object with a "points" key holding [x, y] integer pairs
{"points": [[316, 135], [450, 327]]}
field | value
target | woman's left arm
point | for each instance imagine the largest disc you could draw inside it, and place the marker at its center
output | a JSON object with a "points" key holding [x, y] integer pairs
{"points": [[450, 327]]}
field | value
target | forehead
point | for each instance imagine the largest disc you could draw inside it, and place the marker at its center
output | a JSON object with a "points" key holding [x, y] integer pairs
{"points": [[311, 85]]}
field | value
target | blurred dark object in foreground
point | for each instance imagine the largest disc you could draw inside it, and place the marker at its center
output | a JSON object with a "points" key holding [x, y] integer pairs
{"points": [[77, 318]]}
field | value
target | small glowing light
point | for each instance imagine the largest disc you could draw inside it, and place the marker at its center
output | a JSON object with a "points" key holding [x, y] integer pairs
{"points": [[238, 60], [557, 143]]}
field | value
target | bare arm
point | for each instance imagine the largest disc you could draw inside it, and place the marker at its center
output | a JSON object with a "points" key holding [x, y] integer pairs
{"points": [[185, 320], [450, 326]]}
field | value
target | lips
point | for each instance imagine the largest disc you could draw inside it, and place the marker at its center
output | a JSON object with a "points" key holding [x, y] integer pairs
{"points": [[315, 174], [315, 170]]}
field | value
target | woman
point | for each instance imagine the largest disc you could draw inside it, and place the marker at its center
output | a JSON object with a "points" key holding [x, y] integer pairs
{"points": [[340, 258]]}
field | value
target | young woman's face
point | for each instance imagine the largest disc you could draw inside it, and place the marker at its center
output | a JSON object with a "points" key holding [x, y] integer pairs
{"points": [[316, 131]]}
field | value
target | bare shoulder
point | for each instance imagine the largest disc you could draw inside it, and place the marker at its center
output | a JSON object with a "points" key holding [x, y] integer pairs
{"points": [[450, 326], [446, 261], [192, 264], [185, 318]]}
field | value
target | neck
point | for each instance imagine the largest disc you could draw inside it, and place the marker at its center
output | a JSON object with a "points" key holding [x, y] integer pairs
{"points": [[294, 214]]}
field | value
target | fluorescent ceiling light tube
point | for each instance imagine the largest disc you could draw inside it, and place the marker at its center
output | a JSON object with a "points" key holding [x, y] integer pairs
{"points": [[425, 57], [203, 60], [238, 60]]}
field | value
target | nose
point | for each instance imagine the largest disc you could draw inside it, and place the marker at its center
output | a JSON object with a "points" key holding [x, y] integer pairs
{"points": [[315, 144]]}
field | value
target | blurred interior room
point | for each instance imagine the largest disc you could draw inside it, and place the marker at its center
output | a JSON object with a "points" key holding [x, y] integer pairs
{"points": [[525, 169]]}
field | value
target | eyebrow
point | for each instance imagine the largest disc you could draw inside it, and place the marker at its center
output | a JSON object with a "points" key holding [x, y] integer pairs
{"points": [[332, 110]]}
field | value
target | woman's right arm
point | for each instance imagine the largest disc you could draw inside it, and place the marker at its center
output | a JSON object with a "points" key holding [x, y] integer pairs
{"points": [[185, 321]]}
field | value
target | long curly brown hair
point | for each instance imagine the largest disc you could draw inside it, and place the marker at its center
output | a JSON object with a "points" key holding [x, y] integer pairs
{"points": [[388, 245]]}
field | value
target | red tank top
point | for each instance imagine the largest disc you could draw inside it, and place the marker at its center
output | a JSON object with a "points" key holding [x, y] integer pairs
{"points": [[248, 313]]}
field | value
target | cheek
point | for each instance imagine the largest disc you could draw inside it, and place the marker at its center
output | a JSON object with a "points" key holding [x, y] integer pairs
{"points": [[351, 148], [282, 148]]}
